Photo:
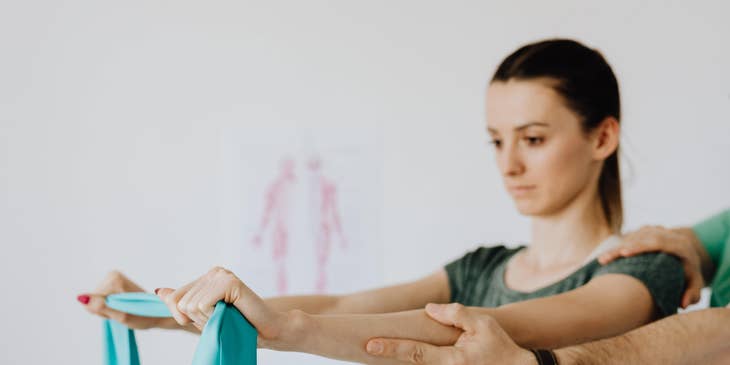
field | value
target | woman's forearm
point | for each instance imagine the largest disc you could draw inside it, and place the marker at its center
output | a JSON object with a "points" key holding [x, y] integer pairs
{"points": [[433, 288], [344, 337], [313, 304]]}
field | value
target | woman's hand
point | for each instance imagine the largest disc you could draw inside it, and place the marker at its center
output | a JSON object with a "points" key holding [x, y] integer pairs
{"points": [[193, 304], [677, 242], [115, 282]]}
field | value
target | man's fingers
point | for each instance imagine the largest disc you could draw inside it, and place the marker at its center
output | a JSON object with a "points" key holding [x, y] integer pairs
{"points": [[453, 314], [616, 253], [609, 256], [413, 352], [628, 250], [692, 295], [644, 247]]}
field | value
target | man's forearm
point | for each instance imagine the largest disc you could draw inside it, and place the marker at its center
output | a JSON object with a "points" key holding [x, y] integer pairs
{"points": [[677, 340], [344, 337]]}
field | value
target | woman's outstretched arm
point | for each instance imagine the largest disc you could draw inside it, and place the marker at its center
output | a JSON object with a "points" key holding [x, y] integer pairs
{"points": [[433, 288], [608, 305]]}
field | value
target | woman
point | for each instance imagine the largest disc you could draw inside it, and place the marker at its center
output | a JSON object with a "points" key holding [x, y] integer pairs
{"points": [[553, 113]]}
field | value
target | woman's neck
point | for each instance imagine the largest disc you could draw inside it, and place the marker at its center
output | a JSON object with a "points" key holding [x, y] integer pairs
{"points": [[568, 236]]}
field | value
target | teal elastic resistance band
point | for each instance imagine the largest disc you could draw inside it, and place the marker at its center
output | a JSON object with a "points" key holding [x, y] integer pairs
{"points": [[227, 339]]}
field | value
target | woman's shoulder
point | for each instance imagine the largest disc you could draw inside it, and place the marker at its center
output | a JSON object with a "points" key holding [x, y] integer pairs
{"points": [[661, 273]]}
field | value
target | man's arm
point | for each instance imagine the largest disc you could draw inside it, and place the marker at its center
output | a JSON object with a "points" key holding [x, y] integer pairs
{"points": [[682, 339], [700, 337]]}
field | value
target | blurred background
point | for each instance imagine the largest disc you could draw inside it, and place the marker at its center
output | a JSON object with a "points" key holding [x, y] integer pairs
{"points": [[156, 137]]}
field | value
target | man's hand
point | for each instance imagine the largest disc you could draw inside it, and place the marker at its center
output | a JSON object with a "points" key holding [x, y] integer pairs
{"points": [[681, 243], [482, 342]]}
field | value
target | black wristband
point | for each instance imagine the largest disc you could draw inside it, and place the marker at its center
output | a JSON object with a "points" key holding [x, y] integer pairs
{"points": [[545, 357]]}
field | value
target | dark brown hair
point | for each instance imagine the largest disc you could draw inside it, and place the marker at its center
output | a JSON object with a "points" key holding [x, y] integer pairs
{"points": [[588, 85]]}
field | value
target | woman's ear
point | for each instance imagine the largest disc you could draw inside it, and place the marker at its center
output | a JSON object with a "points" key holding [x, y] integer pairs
{"points": [[606, 138]]}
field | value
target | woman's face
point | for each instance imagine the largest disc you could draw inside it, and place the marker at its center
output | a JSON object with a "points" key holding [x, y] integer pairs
{"points": [[545, 158]]}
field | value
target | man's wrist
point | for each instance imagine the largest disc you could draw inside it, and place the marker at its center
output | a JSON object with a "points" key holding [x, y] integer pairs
{"points": [[571, 356], [526, 357]]}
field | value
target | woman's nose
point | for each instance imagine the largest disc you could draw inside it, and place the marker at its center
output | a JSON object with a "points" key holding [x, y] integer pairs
{"points": [[511, 161]]}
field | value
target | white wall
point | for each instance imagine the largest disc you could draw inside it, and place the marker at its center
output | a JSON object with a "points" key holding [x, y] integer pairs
{"points": [[111, 114]]}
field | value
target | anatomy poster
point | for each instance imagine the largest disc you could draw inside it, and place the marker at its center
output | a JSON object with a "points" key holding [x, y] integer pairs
{"points": [[301, 211]]}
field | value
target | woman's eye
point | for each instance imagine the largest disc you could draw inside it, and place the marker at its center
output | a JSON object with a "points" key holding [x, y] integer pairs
{"points": [[497, 143], [534, 141]]}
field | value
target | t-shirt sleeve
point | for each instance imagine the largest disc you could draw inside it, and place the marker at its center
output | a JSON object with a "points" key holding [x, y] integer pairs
{"points": [[714, 232], [661, 273], [464, 271]]}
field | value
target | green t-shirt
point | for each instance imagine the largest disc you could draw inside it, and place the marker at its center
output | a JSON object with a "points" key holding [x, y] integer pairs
{"points": [[477, 278], [714, 233]]}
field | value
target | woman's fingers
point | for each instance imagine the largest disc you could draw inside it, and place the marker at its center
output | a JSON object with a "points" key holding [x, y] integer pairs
{"points": [[171, 298], [96, 304], [198, 303], [194, 303], [206, 301], [116, 282]]}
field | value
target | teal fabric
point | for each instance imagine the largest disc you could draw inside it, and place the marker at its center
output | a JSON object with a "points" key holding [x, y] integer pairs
{"points": [[714, 233], [227, 339]]}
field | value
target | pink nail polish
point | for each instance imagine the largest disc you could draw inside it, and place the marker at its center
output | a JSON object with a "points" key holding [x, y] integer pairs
{"points": [[84, 299]]}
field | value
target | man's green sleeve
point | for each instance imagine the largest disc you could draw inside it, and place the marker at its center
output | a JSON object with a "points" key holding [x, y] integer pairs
{"points": [[714, 233]]}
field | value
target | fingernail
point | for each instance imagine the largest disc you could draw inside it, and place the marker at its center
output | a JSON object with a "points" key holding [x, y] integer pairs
{"points": [[84, 299], [375, 347], [156, 290]]}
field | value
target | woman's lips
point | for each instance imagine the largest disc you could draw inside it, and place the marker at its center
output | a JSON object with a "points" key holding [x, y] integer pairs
{"points": [[521, 190]]}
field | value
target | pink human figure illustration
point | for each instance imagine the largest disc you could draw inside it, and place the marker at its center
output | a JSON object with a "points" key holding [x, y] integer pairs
{"points": [[328, 220], [276, 209]]}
